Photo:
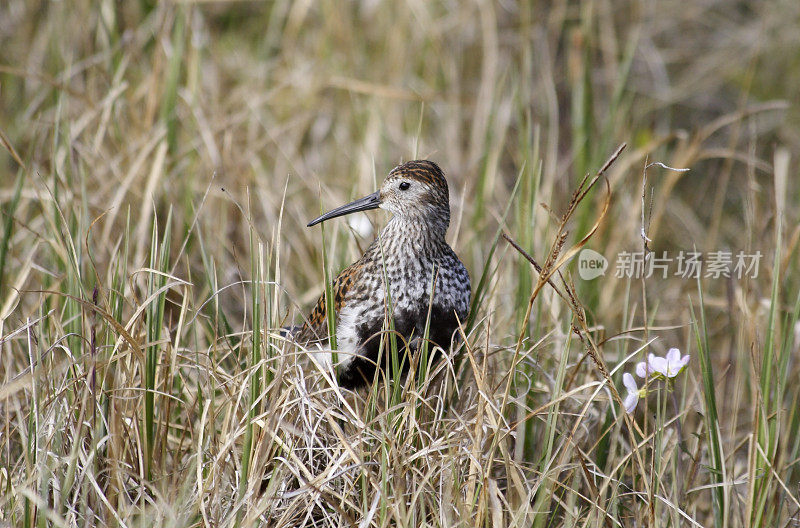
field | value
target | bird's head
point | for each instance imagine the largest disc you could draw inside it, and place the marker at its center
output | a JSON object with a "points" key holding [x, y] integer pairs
{"points": [[415, 191]]}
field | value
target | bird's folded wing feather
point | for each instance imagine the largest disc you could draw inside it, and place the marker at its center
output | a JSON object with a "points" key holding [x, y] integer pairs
{"points": [[315, 328]]}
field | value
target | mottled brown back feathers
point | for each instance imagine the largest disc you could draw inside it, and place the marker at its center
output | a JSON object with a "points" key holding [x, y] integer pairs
{"points": [[316, 327]]}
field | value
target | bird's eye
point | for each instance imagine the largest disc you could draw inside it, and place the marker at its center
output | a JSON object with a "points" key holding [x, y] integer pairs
{"points": [[404, 186]]}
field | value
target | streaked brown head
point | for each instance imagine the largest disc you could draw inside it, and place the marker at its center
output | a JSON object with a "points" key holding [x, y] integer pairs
{"points": [[415, 190]]}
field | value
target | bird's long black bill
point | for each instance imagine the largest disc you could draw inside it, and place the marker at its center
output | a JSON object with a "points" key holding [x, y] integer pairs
{"points": [[373, 201]]}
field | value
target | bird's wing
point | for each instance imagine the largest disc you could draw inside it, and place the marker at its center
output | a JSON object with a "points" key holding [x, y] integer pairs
{"points": [[315, 328]]}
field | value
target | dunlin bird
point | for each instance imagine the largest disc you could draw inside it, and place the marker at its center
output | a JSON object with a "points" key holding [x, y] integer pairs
{"points": [[427, 283]]}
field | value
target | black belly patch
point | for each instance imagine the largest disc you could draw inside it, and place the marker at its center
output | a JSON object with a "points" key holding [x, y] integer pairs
{"points": [[410, 324]]}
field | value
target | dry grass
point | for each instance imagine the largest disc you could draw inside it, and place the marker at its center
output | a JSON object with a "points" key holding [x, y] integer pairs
{"points": [[162, 159]]}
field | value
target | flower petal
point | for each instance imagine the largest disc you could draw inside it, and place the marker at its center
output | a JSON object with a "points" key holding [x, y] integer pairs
{"points": [[629, 382], [630, 402], [652, 361], [673, 355], [641, 369], [659, 365]]}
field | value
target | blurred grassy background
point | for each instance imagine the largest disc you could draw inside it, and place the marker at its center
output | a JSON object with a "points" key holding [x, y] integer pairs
{"points": [[160, 155]]}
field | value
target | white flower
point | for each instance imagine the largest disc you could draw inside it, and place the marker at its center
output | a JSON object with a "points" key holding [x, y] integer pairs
{"points": [[632, 397], [671, 365], [666, 367]]}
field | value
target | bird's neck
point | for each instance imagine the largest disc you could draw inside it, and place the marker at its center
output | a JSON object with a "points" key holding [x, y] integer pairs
{"points": [[414, 228]]}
